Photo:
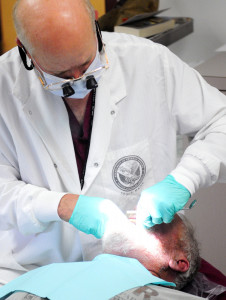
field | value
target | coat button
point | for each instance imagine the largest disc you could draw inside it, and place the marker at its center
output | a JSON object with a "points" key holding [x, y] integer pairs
{"points": [[30, 112], [96, 165], [55, 166], [112, 112]]}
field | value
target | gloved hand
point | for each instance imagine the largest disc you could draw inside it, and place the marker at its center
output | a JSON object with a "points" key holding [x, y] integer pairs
{"points": [[92, 214], [160, 202]]}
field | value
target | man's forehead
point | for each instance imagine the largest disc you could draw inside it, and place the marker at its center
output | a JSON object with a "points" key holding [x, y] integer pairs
{"points": [[62, 52]]}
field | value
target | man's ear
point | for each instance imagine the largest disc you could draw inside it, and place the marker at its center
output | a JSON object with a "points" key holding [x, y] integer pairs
{"points": [[23, 54], [18, 42], [179, 263]]}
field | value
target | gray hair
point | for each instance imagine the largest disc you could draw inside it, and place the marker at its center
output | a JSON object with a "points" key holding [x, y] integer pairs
{"points": [[22, 34], [20, 31], [191, 248], [130, 239]]}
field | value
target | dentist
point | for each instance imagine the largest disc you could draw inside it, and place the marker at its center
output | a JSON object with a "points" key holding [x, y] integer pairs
{"points": [[88, 128]]}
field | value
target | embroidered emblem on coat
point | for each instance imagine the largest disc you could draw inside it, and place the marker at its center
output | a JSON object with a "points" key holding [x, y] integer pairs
{"points": [[128, 172]]}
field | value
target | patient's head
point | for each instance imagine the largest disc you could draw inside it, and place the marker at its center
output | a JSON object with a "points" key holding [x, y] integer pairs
{"points": [[169, 251]]}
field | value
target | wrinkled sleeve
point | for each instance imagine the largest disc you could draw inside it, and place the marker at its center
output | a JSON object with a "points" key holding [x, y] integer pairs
{"points": [[198, 111], [29, 208]]}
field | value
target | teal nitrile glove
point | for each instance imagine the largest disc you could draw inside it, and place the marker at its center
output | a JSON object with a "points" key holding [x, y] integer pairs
{"points": [[160, 202], [91, 215]]}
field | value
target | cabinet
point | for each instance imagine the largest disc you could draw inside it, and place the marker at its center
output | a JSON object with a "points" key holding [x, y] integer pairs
{"points": [[8, 34]]}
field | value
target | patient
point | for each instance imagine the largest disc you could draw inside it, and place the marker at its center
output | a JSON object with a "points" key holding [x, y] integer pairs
{"points": [[169, 251]]}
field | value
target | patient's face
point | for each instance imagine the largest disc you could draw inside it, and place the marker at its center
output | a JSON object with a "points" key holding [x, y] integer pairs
{"points": [[153, 248], [165, 244]]}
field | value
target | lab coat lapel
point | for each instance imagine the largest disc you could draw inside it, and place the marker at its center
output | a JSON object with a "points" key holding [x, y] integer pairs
{"points": [[110, 92], [48, 116]]}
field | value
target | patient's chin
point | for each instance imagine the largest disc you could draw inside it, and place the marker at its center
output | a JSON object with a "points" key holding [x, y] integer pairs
{"points": [[167, 274]]}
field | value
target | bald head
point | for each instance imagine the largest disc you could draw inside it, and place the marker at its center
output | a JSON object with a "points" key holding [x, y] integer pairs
{"points": [[54, 27]]}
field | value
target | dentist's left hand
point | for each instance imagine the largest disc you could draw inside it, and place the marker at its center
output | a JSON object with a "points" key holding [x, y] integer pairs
{"points": [[160, 202], [89, 214]]}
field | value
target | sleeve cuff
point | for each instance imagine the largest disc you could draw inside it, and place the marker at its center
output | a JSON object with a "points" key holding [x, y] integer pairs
{"points": [[192, 173], [45, 206]]}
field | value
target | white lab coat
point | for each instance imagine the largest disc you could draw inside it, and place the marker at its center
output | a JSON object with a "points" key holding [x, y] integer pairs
{"points": [[145, 97]]}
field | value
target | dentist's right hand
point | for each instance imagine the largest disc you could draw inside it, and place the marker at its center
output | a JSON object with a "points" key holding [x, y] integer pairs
{"points": [[89, 214]]}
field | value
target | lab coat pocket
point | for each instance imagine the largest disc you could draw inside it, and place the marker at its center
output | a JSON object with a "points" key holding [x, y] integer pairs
{"points": [[126, 172]]}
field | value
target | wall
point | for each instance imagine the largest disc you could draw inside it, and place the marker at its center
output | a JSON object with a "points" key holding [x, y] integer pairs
{"points": [[209, 34], [99, 5], [209, 27], [8, 32]]}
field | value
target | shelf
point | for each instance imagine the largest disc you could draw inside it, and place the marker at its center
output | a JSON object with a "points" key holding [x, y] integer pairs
{"points": [[184, 26]]}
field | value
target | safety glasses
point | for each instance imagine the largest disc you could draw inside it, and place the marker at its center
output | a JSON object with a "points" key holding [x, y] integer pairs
{"points": [[57, 85]]}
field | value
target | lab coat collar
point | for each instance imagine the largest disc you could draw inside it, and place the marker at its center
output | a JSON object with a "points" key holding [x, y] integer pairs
{"points": [[114, 78], [48, 116], [22, 86]]}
